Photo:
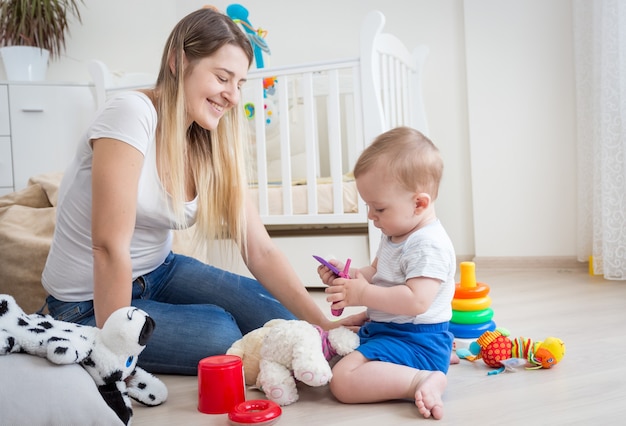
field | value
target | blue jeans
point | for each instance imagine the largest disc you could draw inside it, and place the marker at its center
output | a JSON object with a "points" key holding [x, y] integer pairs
{"points": [[199, 311]]}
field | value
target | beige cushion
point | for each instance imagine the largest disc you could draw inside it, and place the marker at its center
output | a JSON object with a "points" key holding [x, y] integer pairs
{"points": [[27, 219]]}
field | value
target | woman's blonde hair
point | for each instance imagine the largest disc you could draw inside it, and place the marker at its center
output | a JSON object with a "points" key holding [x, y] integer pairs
{"points": [[408, 156], [214, 159]]}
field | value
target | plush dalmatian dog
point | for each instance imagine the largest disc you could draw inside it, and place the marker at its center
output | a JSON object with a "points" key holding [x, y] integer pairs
{"points": [[109, 354]]}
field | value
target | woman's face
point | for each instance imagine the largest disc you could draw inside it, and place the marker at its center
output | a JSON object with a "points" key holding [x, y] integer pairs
{"points": [[213, 85]]}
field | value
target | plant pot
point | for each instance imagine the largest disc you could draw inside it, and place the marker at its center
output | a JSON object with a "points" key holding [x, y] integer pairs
{"points": [[25, 63]]}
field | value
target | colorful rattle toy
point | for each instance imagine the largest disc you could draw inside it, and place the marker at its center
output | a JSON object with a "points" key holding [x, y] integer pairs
{"points": [[497, 350], [471, 311], [341, 274]]}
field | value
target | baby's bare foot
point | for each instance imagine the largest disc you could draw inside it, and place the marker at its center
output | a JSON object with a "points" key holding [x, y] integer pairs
{"points": [[428, 395], [454, 358]]}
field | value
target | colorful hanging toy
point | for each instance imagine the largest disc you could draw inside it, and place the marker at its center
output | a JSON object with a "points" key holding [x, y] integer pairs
{"points": [[497, 350], [269, 88], [240, 14]]}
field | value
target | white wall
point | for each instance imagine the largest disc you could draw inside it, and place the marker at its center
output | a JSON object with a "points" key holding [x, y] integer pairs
{"points": [[509, 183], [521, 133]]}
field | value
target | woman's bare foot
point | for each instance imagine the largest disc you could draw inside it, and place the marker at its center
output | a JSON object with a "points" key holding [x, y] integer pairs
{"points": [[428, 395], [454, 358]]}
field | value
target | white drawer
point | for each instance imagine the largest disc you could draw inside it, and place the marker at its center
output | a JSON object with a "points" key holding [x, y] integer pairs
{"points": [[5, 128], [301, 248], [47, 122], [6, 166]]}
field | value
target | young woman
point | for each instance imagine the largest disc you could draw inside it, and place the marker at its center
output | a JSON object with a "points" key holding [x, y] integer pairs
{"points": [[162, 159]]}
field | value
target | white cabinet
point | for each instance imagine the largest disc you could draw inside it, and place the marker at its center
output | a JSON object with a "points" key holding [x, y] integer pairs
{"points": [[298, 248], [6, 167], [5, 127], [6, 160], [45, 123]]}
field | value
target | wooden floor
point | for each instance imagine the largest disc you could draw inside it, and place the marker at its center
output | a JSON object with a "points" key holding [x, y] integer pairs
{"points": [[587, 387]]}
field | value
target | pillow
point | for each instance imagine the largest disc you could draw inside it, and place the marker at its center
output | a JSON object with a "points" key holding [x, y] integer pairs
{"points": [[35, 391], [27, 219]]}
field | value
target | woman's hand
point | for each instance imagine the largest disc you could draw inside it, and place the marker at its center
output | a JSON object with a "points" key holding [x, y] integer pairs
{"points": [[354, 322]]}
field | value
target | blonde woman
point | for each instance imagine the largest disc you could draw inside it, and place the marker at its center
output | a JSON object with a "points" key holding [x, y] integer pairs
{"points": [[157, 160]]}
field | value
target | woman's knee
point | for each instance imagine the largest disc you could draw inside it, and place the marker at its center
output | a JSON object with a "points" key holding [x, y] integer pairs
{"points": [[184, 334]]}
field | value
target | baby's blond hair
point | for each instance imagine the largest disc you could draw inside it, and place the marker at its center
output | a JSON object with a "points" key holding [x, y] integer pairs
{"points": [[410, 158]]}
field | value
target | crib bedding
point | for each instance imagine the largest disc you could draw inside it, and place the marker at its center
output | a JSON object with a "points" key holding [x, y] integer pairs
{"points": [[299, 197]]}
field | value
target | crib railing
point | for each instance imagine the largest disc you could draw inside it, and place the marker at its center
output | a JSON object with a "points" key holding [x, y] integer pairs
{"points": [[316, 110]]}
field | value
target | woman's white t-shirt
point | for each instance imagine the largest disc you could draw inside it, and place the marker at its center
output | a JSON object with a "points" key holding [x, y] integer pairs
{"points": [[129, 117]]}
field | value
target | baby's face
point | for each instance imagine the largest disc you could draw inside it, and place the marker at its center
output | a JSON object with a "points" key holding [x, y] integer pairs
{"points": [[391, 207]]}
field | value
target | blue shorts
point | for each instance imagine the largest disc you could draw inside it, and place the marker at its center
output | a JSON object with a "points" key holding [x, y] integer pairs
{"points": [[421, 346]]}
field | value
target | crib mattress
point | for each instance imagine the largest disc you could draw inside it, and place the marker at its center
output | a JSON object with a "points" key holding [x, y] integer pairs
{"points": [[300, 199]]}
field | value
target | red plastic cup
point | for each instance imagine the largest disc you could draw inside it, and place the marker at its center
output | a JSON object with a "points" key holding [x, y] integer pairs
{"points": [[221, 384]]}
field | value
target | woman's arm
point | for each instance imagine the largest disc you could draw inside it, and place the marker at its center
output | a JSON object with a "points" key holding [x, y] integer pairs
{"points": [[271, 268], [116, 169]]}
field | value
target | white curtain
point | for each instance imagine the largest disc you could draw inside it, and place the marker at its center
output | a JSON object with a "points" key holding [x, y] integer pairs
{"points": [[600, 70]]}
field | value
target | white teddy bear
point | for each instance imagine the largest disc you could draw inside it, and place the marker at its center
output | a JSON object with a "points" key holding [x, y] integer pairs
{"points": [[283, 351]]}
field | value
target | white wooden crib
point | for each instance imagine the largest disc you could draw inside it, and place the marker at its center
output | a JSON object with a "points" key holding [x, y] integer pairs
{"points": [[314, 122], [308, 124]]}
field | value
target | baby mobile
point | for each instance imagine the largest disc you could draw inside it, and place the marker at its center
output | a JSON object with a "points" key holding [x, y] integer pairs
{"points": [[239, 14]]}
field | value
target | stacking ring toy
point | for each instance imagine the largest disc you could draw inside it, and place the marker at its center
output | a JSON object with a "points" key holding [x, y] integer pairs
{"points": [[470, 331], [468, 288], [472, 317], [258, 412], [471, 304], [481, 290]]}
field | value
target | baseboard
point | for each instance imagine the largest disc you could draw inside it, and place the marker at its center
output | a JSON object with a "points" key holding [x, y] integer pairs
{"points": [[464, 258], [568, 263], [530, 262]]}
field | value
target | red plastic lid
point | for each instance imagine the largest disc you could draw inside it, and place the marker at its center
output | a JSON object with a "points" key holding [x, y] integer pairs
{"points": [[220, 361], [260, 412]]}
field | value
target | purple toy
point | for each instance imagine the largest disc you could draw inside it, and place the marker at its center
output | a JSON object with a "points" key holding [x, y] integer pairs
{"points": [[341, 274]]}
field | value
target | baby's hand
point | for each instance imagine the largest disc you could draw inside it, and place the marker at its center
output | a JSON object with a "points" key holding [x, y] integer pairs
{"points": [[345, 292], [327, 276]]}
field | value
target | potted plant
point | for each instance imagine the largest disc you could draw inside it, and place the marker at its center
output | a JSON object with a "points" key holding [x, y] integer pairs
{"points": [[34, 30]]}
